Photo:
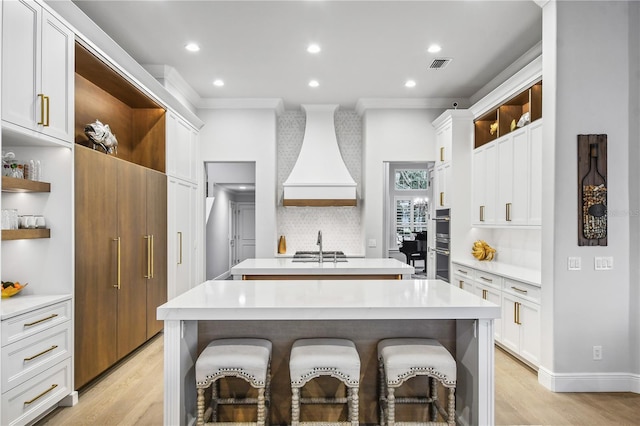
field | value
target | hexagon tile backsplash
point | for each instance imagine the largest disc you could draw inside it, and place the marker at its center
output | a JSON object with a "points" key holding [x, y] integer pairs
{"points": [[341, 226]]}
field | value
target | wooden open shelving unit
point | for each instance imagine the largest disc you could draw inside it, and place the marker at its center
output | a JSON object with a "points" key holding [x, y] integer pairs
{"points": [[11, 184], [134, 118], [529, 100], [25, 234]]}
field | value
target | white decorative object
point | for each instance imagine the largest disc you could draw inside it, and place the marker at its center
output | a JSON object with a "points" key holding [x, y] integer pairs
{"points": [[101, 135], [524, 119]]}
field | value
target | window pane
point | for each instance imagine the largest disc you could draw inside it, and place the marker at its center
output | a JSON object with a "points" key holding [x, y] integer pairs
{"points": [[411, 179], [420, 213], [403, 212]]}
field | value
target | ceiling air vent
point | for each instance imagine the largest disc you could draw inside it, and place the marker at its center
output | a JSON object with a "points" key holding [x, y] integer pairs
{"points": [[439, 63]]}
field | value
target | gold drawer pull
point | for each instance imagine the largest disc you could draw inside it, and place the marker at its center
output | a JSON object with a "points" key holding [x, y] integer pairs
{"points": [[484, 294], [516, 313], [148, 238], [519, 290], [489, 280], [442, 198], [481, 213], [41, 395], [462, 272], [461, 285], [508, 212], [118, 263], [442, 153], [41, 353], [31, 324]]}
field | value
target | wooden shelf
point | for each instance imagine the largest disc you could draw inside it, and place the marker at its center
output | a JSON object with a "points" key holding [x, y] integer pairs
{"points": [[11, 184], [25, 234], [503, 116]]}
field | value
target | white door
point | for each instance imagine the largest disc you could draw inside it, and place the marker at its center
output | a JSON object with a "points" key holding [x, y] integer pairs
{"points": [[246, 247], [180, 239]]}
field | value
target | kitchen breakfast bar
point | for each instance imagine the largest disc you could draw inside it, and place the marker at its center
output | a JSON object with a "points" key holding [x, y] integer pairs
{"points": [[364, 311]]}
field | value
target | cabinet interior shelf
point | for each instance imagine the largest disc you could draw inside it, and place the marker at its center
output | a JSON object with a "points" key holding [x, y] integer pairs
{"points": [[11, 184], [25, 234], [498, 121]]}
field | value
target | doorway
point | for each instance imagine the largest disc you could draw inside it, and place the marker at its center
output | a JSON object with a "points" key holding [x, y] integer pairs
{"points": [[231, 222]]}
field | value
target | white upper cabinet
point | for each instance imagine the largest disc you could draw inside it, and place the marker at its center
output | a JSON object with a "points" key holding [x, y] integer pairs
{"points": [[483, 184], [37, 72], [181, 148], [513, 159], [444, 138], [535, 171]]}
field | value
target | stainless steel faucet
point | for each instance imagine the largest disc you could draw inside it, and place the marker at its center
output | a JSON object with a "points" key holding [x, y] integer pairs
{"points": [[319, 243]]}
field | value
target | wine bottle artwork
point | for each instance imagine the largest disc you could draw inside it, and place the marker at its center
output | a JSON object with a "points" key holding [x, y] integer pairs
{"points": [[593, 189]]}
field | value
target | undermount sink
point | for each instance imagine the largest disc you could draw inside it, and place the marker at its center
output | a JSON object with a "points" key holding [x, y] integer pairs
{"points": [[314, 256]]}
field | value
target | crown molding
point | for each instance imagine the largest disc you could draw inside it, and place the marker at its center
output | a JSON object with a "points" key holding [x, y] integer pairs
{"points": [[242, 103], [169, 77], [365, 104]]}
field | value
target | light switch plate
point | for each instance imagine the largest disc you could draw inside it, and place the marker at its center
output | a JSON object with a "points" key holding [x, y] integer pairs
{"points": [[603, 263], [574, 263], [372, 243]]}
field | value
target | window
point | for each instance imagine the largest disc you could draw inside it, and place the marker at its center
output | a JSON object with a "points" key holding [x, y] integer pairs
{"points": [[411, 179], [411, 217]]}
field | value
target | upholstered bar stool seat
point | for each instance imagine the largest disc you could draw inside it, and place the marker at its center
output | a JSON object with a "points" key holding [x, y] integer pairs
{"points": [[247, 359], [401, 359], [313, 358]]}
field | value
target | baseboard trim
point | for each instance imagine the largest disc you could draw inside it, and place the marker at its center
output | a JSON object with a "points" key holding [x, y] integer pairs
{"points": [[589, 382]]}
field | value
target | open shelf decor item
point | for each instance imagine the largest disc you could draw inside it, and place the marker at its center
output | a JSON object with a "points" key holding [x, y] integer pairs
{"points": [[592, 190]]}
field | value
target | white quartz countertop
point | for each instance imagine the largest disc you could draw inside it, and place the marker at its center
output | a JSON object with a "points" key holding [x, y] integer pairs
{"points": [[326, 300], [518, 273], [353, 266]]}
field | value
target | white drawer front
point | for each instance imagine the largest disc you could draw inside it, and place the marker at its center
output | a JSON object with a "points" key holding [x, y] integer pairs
{"points": [[32, 398], [488, 279], [463, 271], [25, 325], [26, 358], [524, 290]]}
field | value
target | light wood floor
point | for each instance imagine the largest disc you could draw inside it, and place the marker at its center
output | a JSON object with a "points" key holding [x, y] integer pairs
{"points": [[131, 394]]}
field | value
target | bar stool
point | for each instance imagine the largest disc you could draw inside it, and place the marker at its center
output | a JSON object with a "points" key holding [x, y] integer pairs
{"points": [[402, 359], [313, 358], [246, 358]]}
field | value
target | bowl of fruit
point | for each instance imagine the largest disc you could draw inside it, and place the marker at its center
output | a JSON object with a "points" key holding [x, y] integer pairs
{"points": [[11, 288]]}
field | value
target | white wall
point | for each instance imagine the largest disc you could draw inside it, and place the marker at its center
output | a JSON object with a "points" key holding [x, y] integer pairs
{"points": [[394, 136], [587, 70], [247, 135]]}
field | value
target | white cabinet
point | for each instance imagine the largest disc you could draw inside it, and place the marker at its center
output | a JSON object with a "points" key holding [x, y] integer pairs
{"points": [[37, 72], [463, 277], [521, 320], [513, 172], [507, 179], [519, 328], [36, 357], [483, 184], [444, 137], [181, 148], [181, 238], [443, 185]]}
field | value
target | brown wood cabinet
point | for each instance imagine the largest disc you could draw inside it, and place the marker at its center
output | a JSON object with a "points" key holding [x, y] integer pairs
{"points": [[120, 243]]}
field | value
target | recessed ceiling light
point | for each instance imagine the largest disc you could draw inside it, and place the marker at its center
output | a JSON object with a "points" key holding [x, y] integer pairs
{"points": [[218, 83], [192, 47], [313, 48], [410, 83], [243, 187], [434, 48], [314, 83]]}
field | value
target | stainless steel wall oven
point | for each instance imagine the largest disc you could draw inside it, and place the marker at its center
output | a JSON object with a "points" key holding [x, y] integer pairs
{"points": [[443, 241]]}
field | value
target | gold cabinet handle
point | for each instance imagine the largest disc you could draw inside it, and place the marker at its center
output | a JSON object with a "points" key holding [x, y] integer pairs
{"points": [[31, 401], [519, 290], [152, 256], [41, 353], [484, 294], [42, 113], [46, 98], [117, 285], [489, 280], [481, 213], [462, 272], [148, 238], [442, 153], [461, 284], [508, 212], [516, 313], [31, 324], [180, 245], [442, 198]]}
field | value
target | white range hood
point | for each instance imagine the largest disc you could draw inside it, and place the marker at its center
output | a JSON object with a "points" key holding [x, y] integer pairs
{"points": [[319, 177]]}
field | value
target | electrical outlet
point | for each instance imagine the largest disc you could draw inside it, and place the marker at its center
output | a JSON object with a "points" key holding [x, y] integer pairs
{"points": [[597, 353], [574, 263], [372, 243]]}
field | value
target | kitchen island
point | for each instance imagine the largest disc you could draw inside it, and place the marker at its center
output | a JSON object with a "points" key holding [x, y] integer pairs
{"points": [[350, 268], [364, 311]]}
